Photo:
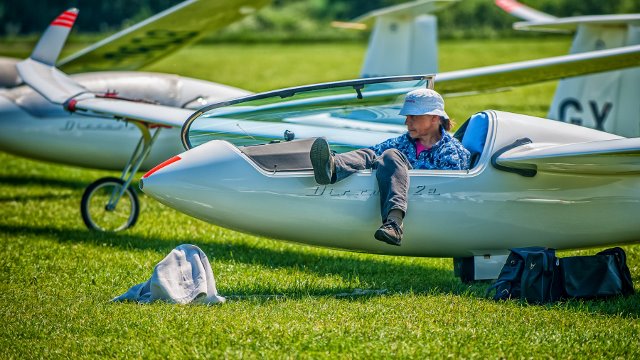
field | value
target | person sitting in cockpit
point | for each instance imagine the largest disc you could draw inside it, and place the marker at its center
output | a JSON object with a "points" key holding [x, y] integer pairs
{"points": [[426, 145]]}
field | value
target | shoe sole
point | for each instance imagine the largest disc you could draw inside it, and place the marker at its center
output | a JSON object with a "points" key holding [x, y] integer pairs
{"points": [[382, 236], [320, 154]]}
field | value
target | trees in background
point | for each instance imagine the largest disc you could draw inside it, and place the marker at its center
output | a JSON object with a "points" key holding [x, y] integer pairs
{"points": [[291, 19], [33, 16]]}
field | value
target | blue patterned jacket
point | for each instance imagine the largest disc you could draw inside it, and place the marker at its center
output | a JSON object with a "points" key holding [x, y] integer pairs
{"points": [[446, 154]]}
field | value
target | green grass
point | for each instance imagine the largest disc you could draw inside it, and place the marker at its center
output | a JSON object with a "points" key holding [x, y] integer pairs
{"points": [[57, 278]]}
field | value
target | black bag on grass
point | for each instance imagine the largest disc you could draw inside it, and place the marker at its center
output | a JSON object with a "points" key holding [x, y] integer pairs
{"points": [[602, 275], [530, 274], [541, 280]]}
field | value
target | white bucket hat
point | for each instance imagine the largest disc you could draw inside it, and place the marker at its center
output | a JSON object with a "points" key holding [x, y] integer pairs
{"points": [[423, 102]]}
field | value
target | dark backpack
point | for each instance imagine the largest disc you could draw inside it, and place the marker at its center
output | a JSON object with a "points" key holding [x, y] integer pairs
{"points": [[531, 274]]}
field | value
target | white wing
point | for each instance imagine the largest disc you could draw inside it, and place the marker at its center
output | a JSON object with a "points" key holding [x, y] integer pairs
{"points": [[533, 71], [614, 157], [159, 35]]}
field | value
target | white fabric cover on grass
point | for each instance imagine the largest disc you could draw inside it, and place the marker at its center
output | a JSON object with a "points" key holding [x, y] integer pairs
{"points": [[184, 276]]}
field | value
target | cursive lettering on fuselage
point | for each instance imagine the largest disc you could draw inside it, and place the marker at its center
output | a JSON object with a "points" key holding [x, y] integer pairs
{"points": [[71, 125], [326, 191]]}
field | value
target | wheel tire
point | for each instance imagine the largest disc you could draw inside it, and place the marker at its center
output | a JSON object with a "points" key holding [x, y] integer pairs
{"points": [[93, 206]]}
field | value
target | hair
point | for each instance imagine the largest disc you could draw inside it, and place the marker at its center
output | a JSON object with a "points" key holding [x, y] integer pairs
{"points": [[447, 123]]}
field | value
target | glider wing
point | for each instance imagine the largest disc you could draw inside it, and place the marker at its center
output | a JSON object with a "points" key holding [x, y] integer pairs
{"points": [[159, 35], [609, 157], [498, 77]]}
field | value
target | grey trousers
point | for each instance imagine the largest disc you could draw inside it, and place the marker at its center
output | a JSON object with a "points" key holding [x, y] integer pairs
{"points": [[392, 176]]}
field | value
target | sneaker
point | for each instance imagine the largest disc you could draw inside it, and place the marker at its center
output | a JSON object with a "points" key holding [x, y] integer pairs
{"points": [[322, 161], [390, 232]]}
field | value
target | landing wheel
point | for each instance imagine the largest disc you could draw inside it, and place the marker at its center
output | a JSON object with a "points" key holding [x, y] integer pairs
{"points": [[103, 211]]}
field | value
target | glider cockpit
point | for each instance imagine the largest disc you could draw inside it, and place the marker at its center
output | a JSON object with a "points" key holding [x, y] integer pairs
{"points": [[294, 155], [351, 114]]}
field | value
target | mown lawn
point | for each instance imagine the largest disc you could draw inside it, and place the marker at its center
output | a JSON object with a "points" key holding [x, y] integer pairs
{"points": [[57, 278]]}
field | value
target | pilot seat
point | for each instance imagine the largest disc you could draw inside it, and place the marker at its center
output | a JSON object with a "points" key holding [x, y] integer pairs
{"points": [[473, 136]]}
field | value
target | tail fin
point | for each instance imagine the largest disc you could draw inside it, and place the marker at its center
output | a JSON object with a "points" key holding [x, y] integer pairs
{"points": [[50, 45], [607, 101], [404, 39], [39, 71], [402, 46]]}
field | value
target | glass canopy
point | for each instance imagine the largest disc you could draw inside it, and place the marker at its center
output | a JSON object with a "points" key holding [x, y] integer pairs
{"points": [[349, 113]]}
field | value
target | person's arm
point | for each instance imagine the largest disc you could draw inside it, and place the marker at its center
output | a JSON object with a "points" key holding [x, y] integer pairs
{"points": [[387, 144], [453, 158]]}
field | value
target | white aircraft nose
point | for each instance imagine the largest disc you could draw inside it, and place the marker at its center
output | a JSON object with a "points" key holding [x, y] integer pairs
{"points": [[193, 181], [155, 181], [215, 182], [170, 183]]}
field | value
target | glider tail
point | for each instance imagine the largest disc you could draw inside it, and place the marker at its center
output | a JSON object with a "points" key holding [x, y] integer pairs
{"points": [[400, 46], [607, 101], [50, 45], [39, 70], [404, 39]]}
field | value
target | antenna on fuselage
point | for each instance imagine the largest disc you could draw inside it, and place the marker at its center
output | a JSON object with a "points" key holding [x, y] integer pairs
{"points": [[245, 132]]}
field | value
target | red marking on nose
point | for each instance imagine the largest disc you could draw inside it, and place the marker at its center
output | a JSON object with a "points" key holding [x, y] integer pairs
{"points": [[161, 165]]}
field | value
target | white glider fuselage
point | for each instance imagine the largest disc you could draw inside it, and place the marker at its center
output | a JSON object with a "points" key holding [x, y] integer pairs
{"points": [[33, 127], [451, 213]]}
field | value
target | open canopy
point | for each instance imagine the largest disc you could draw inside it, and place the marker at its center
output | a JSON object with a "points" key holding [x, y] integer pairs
{"points": [[350, 113]]}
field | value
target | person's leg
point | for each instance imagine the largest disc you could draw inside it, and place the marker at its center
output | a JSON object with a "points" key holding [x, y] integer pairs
{"points": [[393, 183], [350, 162], [329, 168]]}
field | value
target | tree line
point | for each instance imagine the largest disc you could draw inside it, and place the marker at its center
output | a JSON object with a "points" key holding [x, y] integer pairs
{"points": [[291, 19]]}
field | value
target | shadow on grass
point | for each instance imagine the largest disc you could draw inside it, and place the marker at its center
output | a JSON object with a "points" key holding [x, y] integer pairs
{"points": [[23, 198], [379, 272], [23, 180], [376, 273]]}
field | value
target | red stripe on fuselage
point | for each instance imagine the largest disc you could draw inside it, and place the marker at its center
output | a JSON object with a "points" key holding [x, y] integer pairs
{"points": [[161, 165]]}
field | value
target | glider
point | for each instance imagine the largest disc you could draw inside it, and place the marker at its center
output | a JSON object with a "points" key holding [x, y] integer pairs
{"points": [[532, 182]]}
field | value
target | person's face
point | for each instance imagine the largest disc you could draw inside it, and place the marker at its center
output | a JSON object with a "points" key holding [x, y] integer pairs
{"points": [[422, 125]]}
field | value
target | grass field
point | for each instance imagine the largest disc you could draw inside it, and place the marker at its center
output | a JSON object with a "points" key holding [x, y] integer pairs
{"points": [[57, 278]]}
